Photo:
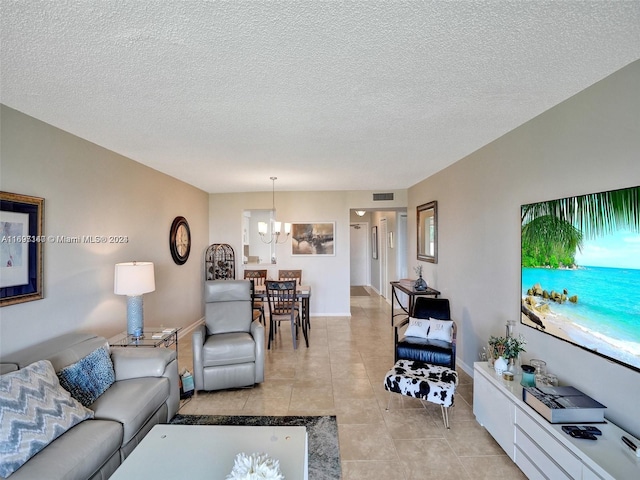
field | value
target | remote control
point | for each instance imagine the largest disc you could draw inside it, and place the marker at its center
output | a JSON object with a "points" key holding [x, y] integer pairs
{"points": [[583, 428], [592, 429], [582, 434]]}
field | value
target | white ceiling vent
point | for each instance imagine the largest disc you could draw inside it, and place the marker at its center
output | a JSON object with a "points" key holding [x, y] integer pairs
{"points": [[382, 196]]}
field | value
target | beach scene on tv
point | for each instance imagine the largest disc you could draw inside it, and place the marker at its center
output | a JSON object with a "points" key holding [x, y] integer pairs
{"points": [[581, 271]]}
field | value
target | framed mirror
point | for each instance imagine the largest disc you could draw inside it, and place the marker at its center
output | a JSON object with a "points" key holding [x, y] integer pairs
{"points": [[427, 223], [254, 250]]}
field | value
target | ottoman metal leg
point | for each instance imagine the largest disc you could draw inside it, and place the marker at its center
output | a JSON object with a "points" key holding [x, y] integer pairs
{"points": [[391, 397], [445, 416]]}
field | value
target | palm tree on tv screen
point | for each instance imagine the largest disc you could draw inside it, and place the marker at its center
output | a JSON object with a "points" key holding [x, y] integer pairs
{"points": [[552, 231]]}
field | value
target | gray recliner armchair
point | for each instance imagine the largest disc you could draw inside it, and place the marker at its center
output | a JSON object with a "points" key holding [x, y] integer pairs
{"points": [[228, 350]]}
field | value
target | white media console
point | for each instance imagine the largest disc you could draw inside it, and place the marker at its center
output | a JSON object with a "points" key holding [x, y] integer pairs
{"points": [[541, 449]]}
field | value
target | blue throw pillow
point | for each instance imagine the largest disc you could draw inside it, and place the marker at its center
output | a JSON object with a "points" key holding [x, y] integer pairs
{"points": [[89, 377]]}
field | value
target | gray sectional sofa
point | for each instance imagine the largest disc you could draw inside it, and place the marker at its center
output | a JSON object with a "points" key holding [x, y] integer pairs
{"points": [[145, 393]]}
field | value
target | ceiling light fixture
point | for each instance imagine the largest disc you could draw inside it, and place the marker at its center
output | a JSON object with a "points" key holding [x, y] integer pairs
{"points": [[360, 213], [276, 226]]}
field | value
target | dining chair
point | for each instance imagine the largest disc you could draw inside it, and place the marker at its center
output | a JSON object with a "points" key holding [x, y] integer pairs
{"points": [[282, 300], [291, 275], [257, 277], [297, 276]]}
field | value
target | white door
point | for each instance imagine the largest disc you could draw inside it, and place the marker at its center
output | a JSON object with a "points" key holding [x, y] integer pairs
{"points": [[359, 253], [382, 250], [401, 246]]}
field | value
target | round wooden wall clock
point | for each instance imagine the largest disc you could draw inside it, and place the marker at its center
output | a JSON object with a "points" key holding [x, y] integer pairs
{"points": [[180, 240]]}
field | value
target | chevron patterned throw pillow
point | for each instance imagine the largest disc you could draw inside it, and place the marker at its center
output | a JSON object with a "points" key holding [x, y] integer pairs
{"points": [[34, 411]]}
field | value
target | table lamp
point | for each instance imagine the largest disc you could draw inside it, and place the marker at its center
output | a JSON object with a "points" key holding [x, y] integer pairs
{"points": [[133, 279]]}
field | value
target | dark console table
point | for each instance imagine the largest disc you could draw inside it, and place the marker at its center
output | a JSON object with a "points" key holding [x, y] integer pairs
{"points": [[406, 286]]}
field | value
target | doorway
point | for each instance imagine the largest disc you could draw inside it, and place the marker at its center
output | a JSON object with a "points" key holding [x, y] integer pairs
{"points": [[384, 266], [359, 253]]}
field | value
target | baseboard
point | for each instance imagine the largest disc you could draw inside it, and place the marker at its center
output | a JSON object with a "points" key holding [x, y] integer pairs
{"points": [[189, 328], [468, 370]]}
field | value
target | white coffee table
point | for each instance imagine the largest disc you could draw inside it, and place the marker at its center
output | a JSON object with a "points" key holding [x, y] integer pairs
{"points": [[208, 451]]}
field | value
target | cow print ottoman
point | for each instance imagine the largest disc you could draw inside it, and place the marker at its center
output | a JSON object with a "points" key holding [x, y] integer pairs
{"points": [[433, 383]]}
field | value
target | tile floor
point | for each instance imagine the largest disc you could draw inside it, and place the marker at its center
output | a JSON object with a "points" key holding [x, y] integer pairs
{"points": [[341, 373]]}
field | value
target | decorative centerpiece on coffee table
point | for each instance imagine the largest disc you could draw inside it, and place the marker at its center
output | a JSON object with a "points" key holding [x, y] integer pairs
{"points": [[257, 466]]}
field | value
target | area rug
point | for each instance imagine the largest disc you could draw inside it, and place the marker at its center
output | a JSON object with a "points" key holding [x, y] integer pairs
{"points": [[324, 450], [358, 291]]}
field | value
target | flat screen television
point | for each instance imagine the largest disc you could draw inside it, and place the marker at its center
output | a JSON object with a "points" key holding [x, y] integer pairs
{"points": [[580, 279]]}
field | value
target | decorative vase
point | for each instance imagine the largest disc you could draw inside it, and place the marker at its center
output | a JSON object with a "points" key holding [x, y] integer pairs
{"points": [[500, 365], [420, 284]]}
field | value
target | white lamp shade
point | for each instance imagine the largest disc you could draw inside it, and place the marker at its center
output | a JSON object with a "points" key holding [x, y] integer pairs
{"points": [[134, 278]]}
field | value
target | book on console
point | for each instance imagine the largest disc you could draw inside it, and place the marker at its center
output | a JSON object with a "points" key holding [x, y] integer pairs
{"points": [[563, 404]]}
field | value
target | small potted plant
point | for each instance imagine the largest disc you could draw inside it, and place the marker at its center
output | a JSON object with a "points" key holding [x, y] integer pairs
{"points": [[507, 347], [505, 350]]}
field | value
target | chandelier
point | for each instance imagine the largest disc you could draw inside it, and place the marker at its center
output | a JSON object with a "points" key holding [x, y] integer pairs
{"points": [[276, 229]]}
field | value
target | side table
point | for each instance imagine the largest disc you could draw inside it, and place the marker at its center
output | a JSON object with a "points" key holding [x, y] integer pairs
{"points": [[406, 286], [151, 337]]}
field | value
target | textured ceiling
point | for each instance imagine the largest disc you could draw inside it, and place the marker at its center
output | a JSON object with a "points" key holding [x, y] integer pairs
{"points": [[324, 95]]}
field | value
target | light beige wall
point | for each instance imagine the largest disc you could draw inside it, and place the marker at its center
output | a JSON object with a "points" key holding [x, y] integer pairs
{"points": [[89, 190], [328, 276], [589, 143]]}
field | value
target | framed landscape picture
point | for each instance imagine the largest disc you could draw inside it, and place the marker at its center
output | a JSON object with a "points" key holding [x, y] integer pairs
{"points": [[21, 239], [313, 238]]}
